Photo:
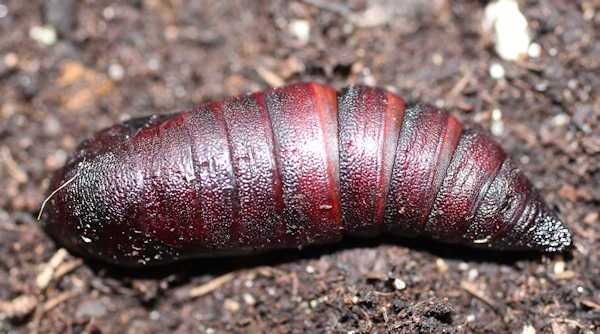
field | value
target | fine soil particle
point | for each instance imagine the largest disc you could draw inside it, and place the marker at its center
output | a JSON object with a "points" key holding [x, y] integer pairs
{"points": [[70, 68]]}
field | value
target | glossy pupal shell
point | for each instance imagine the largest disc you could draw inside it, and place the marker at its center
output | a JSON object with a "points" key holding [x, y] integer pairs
{"points": [[290, 167]]}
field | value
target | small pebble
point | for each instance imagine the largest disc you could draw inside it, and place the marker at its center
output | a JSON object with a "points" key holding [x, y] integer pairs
{"points": [[43, 34], [231, 305], [560, 119], [528, 329], [370, 80], [496, 114], [25, 81], [154, 315], [497, 71], [497, 128], [108, 13], [52, 126], [441, 265], [180, 91], [116, 72], [559, 265], [399, 284], [171, 33], [11, 59], [91, 308], [473, 273], [153, 64], [534, 50], [56, 160], [249, 299], [373, 16], [504, 18], [301, 30], [21, 307], [541, 87]]}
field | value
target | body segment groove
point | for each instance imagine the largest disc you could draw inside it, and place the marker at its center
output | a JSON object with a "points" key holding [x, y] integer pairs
{"points": [[290, 167]]}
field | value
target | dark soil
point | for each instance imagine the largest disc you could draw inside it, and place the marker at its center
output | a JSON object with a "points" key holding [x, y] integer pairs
{"points": [[134, 58]]}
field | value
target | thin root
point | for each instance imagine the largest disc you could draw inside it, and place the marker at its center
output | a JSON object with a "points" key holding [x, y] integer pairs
{"points": [[59, 188]]}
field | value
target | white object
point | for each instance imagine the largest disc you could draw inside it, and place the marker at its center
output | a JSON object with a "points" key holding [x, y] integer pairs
{"points": [[497, 71], [504, 19], [43, 34], [301, 30]]}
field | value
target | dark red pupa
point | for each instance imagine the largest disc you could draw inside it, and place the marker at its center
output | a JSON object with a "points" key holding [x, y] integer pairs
{"points": [[289, 167]]}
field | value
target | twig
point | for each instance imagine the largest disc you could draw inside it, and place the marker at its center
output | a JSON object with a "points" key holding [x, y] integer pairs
{"points": [[66, 268], [44, 278], [270, 77], [13, 227], [61, 298], [472, 289], [12, 167], [461, 84], [212, 285]]}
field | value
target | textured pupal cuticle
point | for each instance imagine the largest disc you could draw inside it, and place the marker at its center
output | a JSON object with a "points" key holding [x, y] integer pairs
{"points": [[290, 167]]}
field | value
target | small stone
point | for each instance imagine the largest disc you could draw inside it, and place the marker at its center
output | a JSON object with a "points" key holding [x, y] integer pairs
{"points": [[497, 128], [11, 59], [21, 307], [231, 305], [528, 329], [249, 299], [559, 265], [497, 71], [504, 19], [91, 308], [441, 265], [301, 30], [534, 50], [43, 34], [116, 72], [399, 284], [25, 81], [472, 275], [153, 64], [52, 126], [374, 16], [108, 13], [154, 315], [560, 119]]}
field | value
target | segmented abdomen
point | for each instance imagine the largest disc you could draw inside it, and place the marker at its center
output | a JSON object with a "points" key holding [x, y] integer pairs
{"points": [[289, 167]]}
